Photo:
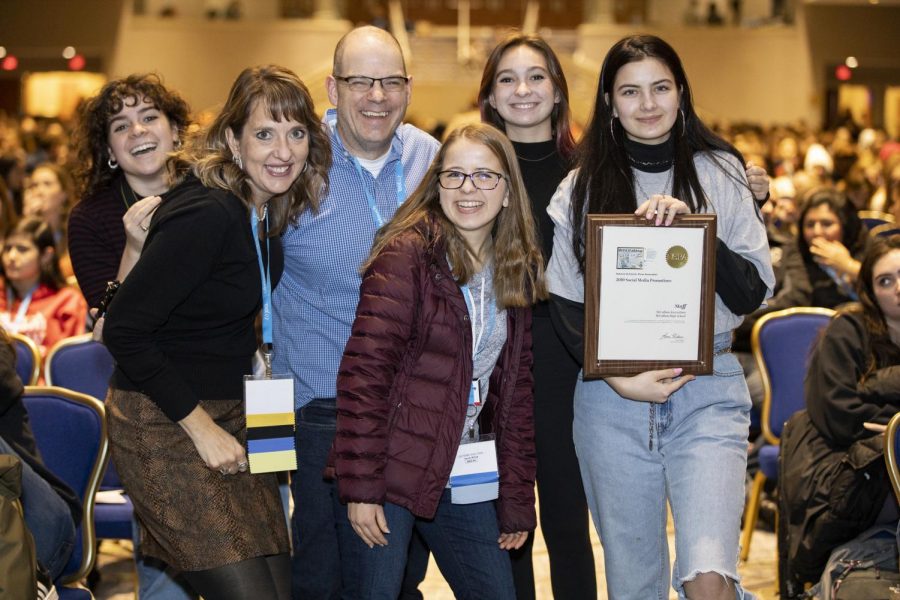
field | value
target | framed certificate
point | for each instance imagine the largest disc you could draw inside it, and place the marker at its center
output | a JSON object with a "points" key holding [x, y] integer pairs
{"points": [[649, 295]]}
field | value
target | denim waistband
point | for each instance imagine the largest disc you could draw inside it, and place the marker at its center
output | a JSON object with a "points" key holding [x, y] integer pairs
{"points": [[721, 343]]}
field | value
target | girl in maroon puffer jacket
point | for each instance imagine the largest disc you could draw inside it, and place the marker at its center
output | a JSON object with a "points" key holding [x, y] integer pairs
{"points": [[435, 429]]}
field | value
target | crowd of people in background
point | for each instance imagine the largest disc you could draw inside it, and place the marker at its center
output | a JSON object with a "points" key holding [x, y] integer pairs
{"points": [[131, 188]]}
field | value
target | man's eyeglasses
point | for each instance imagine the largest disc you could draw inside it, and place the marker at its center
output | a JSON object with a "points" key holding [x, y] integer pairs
{"points": [[360, 83], [483, 180]]}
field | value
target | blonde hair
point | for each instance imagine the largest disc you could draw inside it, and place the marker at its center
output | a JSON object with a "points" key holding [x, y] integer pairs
{"points": [[518, 262]]}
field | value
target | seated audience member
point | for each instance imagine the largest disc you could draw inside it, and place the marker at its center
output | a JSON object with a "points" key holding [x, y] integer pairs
{"points": [[819, 269], [8, 216], [780, 214], [51, 509], [833, 481], [35, 300], [49, 194]]}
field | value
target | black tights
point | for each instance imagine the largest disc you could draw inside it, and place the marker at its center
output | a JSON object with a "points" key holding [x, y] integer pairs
{"points": [[260, 577]]}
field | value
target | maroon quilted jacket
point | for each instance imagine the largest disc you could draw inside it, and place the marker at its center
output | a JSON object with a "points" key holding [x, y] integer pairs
{"points": [[403, 386]]}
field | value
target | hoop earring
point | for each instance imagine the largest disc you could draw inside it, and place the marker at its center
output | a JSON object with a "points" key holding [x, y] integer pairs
{"points": [[305, 164], [683, 122], [612, 129], [112, 163], [238, 162]]}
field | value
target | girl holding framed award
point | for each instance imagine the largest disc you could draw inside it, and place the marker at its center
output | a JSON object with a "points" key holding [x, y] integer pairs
{"points": [[673, 438], [438, 361]]}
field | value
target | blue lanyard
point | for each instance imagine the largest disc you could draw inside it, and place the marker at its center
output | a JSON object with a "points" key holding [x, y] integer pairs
{"points": [[265, 278], [479, 341], [23, 305], [370, 196]]}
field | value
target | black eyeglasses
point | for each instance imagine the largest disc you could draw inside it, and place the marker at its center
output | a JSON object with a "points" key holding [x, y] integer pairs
{"points": [[483, 179], [360, 83]]}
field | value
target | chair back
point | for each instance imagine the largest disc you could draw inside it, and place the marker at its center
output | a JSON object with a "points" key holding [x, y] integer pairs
{"points": [[782, 342], [70, 432], [28, 358], [80, 364], [892, 453], [885, 230], [874, 218]]}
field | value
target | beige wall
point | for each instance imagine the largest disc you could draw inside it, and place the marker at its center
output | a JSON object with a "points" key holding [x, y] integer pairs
{"points": [[202, 58], [761, 75]]}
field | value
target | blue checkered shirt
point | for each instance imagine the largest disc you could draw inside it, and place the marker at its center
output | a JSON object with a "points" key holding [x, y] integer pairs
{"points": [[315, 302]]}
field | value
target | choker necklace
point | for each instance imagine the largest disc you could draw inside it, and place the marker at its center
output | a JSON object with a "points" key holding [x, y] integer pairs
{"points": [[650, 163]]}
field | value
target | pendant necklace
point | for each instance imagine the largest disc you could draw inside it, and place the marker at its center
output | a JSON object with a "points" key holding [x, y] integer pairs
{"points": [[122, 186], [542, 158], [644, 193]]}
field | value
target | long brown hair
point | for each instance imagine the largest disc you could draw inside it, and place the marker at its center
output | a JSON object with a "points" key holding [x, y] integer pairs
{"points": [[518, 262], [42, 236], [284, 96], [882, 351], [559, 117]]}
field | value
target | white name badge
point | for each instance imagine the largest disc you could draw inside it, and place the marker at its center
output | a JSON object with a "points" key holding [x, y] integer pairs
{"points": [[270, 423], [474, 477]]}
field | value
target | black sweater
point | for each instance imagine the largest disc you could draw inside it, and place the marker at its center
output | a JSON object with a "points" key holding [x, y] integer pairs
{"points": [[97, 237], [181, 325], [837, 400]]}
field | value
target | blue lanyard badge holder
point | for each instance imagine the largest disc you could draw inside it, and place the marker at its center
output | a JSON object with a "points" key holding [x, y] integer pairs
{"points": [[268, 398], [475, 476]]}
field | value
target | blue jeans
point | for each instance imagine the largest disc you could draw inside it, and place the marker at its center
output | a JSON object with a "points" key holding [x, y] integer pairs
{"points": [[697, 463], [316, 565], [462, 537], [156, 579], [47, 516]]}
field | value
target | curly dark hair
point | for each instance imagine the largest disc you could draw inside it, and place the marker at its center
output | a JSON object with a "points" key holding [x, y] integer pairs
{"points": [[92, 131]]}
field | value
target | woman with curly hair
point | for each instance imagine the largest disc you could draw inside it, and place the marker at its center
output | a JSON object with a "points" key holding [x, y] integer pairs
{"points": [[181, 331], [124, 136]]}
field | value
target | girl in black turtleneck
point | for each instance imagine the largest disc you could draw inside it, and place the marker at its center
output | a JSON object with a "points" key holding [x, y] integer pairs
{"points": [[524, 93], [661, 438]]}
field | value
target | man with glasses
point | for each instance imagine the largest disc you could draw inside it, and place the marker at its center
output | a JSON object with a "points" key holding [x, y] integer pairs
{"points": [[376, 162]]}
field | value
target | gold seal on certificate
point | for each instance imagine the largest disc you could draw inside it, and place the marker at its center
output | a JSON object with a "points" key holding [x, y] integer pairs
{"points": [[677, 257], [649, 295]]}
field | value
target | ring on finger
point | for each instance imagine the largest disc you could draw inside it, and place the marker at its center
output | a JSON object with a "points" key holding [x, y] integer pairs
{"points": [[242, 466], [144, 227], [223, 470]]}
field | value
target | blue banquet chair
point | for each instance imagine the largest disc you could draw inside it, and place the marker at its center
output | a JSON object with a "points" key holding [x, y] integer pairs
{"points": [[28, 358], [79, 363], [874, 218], [782, 342], [885, 230], [892, 453], [70, 433]]}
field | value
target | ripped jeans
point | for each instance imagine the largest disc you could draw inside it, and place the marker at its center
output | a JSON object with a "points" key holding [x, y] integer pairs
{"points": [[691, 451]]}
